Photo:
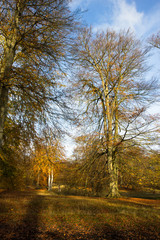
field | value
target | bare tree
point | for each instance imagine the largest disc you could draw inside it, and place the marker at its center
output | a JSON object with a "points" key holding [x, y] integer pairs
{"points": [[110, 81]]}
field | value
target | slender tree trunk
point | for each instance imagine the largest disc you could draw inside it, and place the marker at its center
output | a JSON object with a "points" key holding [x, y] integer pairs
{"points": [[52, 177], [49, 180]]}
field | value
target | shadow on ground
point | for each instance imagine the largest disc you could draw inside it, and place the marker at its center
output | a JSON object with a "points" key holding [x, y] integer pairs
{"points": [[28, 228], [30, 223]]}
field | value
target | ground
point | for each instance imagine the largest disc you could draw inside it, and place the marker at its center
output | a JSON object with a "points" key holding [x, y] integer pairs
{"points": [[42, 215]]}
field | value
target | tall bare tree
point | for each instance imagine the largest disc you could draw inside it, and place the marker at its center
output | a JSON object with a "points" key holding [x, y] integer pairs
{"points": [[110, 81]]}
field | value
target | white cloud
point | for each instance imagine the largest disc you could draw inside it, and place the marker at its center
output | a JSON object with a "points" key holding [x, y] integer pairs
{"points": [[124, 16]]}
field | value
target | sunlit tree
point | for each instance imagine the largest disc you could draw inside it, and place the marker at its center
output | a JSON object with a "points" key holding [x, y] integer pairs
{"points": [[46, 163], [35, 40], [110, 83]]}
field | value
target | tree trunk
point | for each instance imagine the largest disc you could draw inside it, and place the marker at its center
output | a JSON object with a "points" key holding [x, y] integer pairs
{"points": [[49, 180], [3, 110], [113, 180], [112, 152], [9, 52], [7, 62], [52, 177]]}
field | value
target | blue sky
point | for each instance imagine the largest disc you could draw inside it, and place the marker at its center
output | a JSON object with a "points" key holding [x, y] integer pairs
{"points": [[141, 16]]}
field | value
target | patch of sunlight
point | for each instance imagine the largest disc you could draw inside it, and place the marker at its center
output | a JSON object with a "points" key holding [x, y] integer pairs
{"points": [[43, 193]]}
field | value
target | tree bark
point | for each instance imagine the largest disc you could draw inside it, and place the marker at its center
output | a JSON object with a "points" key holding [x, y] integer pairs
{"points": [[38, 178], [112, 156], [49, 180], [3, 111], [113, 179], [6, 67], [52, 177]]}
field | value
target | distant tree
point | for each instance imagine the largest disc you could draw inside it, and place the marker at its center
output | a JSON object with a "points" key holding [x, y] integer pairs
{"points": [[46, 163], [153, 176], [133, 165], [109, 81], [15, 159], [91, 170]]}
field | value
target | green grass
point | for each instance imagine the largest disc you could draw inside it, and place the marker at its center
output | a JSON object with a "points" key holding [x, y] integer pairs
{"points": [[39, 215]]}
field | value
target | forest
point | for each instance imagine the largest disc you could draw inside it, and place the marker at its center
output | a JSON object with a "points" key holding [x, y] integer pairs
{"points": [[57, 74]]}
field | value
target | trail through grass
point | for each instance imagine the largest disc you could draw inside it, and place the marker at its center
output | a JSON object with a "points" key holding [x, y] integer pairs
{"points": [[40, 215]]}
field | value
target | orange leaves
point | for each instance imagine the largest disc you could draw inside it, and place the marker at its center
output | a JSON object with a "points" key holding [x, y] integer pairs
{"points": [[47, 160]]}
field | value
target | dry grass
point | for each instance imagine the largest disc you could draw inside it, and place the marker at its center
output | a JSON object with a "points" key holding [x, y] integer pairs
{"points": [[39, 215]]}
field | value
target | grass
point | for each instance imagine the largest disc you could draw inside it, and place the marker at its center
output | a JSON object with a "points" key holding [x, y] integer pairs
{"points": [[39, 215]]}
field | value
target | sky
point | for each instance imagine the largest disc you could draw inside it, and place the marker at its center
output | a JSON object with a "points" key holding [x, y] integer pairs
{"points": [[140, 16]]}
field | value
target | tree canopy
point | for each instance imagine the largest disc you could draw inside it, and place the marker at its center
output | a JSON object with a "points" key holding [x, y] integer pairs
{"points": [[35, 40]]}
